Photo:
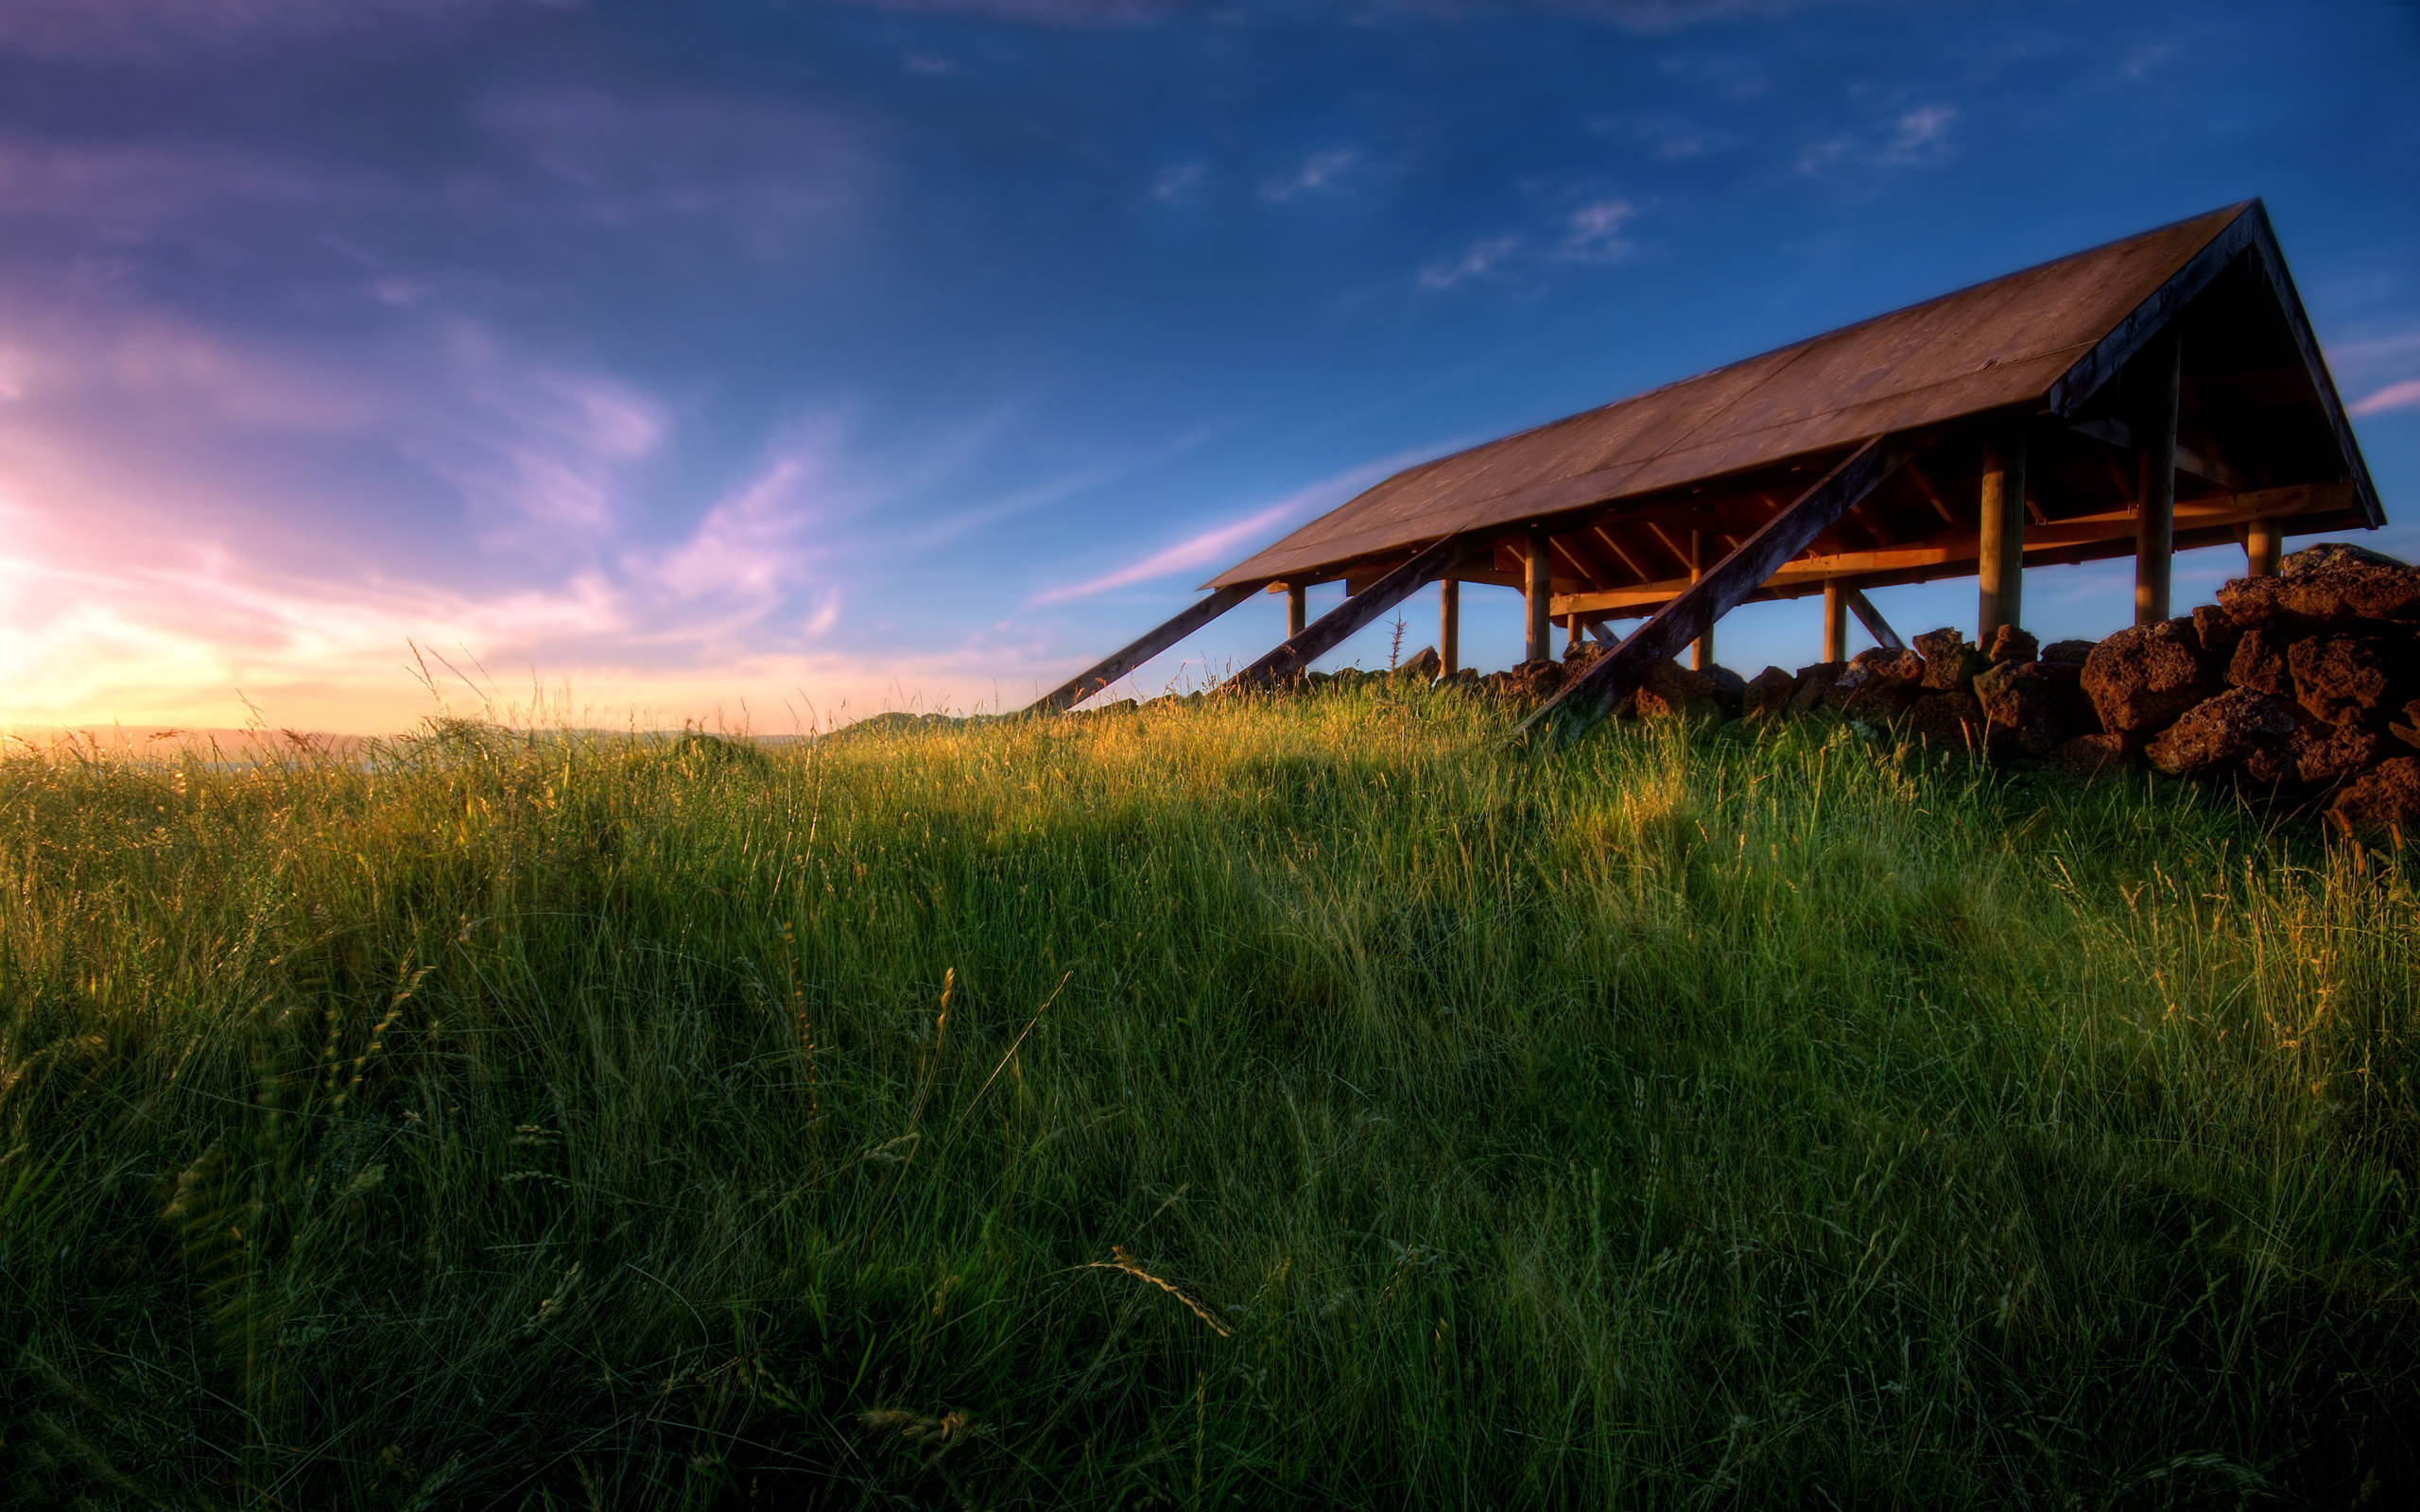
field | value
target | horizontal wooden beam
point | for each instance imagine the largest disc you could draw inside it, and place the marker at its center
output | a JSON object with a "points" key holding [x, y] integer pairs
{"points": [[1948, 556], [1135, 653], [1616, 675], [1330, 630]]}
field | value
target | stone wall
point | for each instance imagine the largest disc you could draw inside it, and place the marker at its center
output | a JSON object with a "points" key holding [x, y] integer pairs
{"points": [[2304, 686]]}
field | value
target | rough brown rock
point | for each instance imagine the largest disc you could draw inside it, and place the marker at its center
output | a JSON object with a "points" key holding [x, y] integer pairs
{"points": [[1423, 666], [2032, 706], [2333, 580], [1952, 719], [2140, 678], [1884, 701], [1885, 665], [1730, 689], [2075, 652], [2009, 644], [1814, 683], [2339, 679], [2316, 754], [2219, 732], [2407, 730], [1769, 694], [1535, 679], [2087, 756], [1951, 664], [2217, 633], [2259, 663], [1672, 691], [2384, 803]]}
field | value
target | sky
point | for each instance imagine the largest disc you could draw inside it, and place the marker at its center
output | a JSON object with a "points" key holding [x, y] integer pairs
{"points": [[770, 363]]}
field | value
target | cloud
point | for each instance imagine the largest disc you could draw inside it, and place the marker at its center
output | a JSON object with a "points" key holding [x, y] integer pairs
{"points": [[127, 31], [1591, 234], [1219, 544], [2405, 395], [1915, 138], [1318, 174]]}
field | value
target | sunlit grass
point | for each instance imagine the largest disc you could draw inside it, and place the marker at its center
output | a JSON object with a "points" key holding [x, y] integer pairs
{"points": [[1232, 1102]]}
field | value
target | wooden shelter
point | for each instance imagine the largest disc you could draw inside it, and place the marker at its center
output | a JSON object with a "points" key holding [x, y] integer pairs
{"points": [[2157, 393]]}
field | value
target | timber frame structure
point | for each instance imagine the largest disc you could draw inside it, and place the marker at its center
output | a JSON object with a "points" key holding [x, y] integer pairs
{"points": [[2157, 393]]}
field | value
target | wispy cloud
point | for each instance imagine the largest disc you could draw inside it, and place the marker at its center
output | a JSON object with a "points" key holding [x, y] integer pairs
{"points": [[1320, 173], [2405, 395], [1918, 137], [1217, 546], [1590, 233]]}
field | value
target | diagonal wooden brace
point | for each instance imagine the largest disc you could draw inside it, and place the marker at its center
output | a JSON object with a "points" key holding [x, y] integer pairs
{"points": [[1330, 630], [1874, 624], [1617, 674], [1126, 657]]}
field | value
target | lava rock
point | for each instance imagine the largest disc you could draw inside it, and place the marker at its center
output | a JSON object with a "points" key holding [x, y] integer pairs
{"points": [[1951, 664], [1672, 691], [2316, 754], [1423, 666], [2087, 756], [2339, 679], [2141, 679], [1953, 720], [1730, 689], [2381, 803], [1814, 682], [2218, 633], [1886, 665], [2032, 706], [2333, 580], [2075, 652], [2259, 663], [1769, 694], [1535, 679], [2409, 731], [2219, 732], [2009, 644]]}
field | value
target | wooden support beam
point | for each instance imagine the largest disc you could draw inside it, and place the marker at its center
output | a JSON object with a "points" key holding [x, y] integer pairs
{"points": [[1126, 657], [1539, 593], [2000, 546], [1449, 625], [1836, 620], [2321, 505], [1297, 608], [1616, 675], [1329, 630], [2264, 542], [1613, 543], [1701, 649], [2155, 500], [1874, 624]]}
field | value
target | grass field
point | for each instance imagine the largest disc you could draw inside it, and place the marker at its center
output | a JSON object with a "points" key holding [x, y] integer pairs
{"points": [[1240, 1103]]}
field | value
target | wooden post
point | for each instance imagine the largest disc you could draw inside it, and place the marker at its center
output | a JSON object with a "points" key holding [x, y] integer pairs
{"points": [[2002, 569], [1296, 610], [1540, 592], [1330, 630], [1449, 625], [2156, 502], [1701, 649], [1836, 621], [2264, 542], [1574, 633]]}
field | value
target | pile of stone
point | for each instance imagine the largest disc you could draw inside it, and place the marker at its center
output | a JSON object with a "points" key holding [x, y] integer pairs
{"points": [[2304, 686]]}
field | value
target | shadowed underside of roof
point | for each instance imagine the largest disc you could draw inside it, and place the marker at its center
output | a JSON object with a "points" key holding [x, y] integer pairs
{"points": [[2008, 344]]}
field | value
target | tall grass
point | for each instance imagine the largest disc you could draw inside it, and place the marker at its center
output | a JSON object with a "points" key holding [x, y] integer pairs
{"points": [[1231, 1104]]}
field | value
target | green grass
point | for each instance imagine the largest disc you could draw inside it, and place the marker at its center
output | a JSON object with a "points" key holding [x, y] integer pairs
{"points": [[1686, 1118]]}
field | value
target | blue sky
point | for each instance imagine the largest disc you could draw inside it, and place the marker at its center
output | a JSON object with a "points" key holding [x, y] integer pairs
{"points": [[810, 358]]}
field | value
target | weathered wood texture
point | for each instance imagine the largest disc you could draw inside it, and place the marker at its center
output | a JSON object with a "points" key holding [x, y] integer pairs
{"points": [[2049, 543], [1616, 675], [1297, 610], [1329, 630], [1449, 625], [2001, 542], [1836, 620], [1701, 649], [1126, 657], [2264, 544], [1537, 592], [2161, 375], [1874, 624]]}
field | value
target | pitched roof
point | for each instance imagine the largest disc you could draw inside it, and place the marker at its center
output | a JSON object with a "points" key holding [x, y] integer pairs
{"points": [[2011, 341]]}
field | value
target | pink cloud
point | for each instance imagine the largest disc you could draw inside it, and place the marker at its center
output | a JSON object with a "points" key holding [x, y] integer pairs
{"points": [[2405, 395]]}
